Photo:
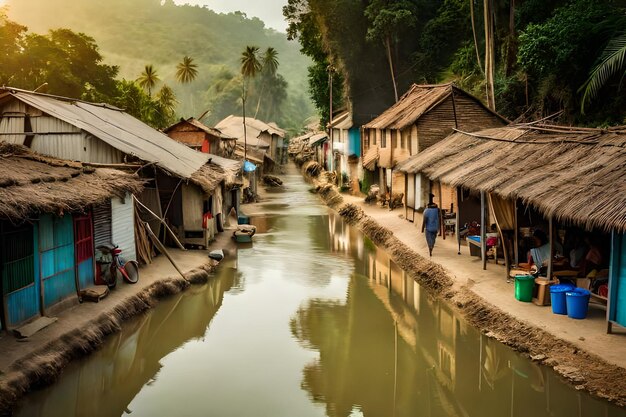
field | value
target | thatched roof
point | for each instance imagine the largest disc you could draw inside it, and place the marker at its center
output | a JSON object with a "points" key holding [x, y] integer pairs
{"points": [[32, 184], [417, 101], [217, 170], [573, 174]]}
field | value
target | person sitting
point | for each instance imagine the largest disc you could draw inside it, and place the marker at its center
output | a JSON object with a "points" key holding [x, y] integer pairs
{"points": [[540, 254]]}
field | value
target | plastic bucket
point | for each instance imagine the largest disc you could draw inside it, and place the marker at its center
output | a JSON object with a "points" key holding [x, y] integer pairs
{"points": [[524, 285], [557, 297], [577, 303]]}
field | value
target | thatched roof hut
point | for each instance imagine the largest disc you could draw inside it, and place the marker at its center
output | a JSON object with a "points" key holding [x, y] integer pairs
{"points": [[572, 174], [421, 99], [31, 184]]}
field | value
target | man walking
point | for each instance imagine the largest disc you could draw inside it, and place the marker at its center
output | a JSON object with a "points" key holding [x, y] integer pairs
{"points": [[430, 223]]}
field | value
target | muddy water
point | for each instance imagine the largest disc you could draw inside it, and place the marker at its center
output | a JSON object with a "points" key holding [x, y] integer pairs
{"points": [[310, 320]]}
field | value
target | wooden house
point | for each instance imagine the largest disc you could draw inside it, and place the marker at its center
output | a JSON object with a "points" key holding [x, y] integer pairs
{"points": [[423, 116], [346, 138], [48, 228], [200, 137], [259, 135], [105, 136], [571, 177]]}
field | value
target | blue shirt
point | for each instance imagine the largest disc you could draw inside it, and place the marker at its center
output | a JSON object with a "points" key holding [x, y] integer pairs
{"points": [[431, 219]]}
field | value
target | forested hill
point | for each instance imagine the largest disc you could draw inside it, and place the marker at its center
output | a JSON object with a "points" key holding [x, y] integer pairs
{"points": [[135, 33]]}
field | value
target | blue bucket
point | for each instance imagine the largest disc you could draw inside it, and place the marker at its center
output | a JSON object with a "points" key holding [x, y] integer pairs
{"points": [[577, 303], [557, 297]]}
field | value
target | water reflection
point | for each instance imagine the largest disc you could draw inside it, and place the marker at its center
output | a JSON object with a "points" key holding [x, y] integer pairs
{"points": [[392, 349], [132, 358]]}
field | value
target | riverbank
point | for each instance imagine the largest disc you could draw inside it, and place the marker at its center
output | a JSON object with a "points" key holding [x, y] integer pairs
{"points": [[80, 329], [579, 350]]}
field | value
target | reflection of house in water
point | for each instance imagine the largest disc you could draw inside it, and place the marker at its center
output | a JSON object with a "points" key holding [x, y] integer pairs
{"points": [[132, 357], [466, 373], [344, 238]]}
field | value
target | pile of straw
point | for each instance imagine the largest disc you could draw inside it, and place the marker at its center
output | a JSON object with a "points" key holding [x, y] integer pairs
{"points": [[312, 169]]}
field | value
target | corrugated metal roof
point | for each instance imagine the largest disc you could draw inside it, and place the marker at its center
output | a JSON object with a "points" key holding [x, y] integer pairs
{"points": [[342, 121], [120, 130], [233, 126], [317, 139], [196, 123]]}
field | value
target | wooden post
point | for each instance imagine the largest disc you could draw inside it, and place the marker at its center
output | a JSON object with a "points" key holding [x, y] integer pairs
{"points": [[551, 256], [161, 247], [442, 227], [406, 196], [180, 245], [483, 220], [516, 236], [457, 228]]}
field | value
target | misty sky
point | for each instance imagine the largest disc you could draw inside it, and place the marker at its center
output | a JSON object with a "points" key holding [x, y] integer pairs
{"points": [[269, 11]]}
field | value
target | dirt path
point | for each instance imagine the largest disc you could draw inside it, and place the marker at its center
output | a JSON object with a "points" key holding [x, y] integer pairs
{"points": [[577, 359]]}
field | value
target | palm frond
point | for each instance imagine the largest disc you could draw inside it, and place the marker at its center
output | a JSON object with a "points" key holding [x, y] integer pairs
{"points": [[612, 61]]}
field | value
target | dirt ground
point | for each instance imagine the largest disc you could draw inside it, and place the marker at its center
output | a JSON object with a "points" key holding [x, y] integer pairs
{"points": [[579, 350]]}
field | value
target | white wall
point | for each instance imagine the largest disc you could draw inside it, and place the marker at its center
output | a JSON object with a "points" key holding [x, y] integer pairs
{"points": [[123, 226]]}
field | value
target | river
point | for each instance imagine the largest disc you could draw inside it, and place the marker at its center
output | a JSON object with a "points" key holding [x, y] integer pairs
{"points": [[310, 320]]}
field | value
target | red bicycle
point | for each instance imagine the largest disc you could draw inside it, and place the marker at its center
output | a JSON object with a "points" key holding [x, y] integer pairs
{"points": [[117, 266]]}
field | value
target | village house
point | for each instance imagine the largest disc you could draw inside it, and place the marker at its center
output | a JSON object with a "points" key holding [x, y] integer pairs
{"points": [[346, 139], [48, 231], [183, 199], [259, 135], [423, 116], [534, 180], [200, 137]]}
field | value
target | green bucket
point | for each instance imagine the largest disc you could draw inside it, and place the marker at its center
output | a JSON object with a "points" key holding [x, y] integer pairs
{"points": [[524, 285]]}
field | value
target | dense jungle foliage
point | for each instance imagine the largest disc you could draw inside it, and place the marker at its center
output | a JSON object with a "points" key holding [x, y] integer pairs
{"points": [[105, 46], [549, 56]]}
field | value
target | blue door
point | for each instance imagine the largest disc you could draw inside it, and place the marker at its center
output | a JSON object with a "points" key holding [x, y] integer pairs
{"points": [[56, 255], [617, 283], [20, 294]]}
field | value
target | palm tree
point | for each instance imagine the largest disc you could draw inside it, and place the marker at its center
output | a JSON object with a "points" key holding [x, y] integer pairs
{"points": [[612, 61], [165, 106], [250, 66], [186, 71], [148, 79], [269, 68]]}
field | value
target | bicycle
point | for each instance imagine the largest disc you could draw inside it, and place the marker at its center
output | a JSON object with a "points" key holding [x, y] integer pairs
{"points": [[119, 267]]}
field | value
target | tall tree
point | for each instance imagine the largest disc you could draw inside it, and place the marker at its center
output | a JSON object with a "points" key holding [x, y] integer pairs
{"points": [[250, 67], [386, 18], [186, 71], [148, 79], [269, 66]]}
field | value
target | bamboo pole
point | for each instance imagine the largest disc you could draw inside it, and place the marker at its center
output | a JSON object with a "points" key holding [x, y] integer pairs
{"points": [[161, 247], [180, 245], [483, 220]]}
